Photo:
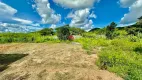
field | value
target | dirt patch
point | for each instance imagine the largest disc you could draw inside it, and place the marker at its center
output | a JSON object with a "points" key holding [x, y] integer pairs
{"points": [[53, 62]]}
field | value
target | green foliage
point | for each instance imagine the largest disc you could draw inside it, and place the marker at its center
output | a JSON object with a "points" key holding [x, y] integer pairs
{"points": [[26, 38], [76, 31], [134, 38], [94, 29], [46, 31], [110, 34], [63, 33], [140, 18], [73, 30], [134, 31], [138, 49], [99, 31], [120, 55], [89, 35]]}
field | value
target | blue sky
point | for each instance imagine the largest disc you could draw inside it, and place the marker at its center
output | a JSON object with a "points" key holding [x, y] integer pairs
{"points": [[31, 15]]}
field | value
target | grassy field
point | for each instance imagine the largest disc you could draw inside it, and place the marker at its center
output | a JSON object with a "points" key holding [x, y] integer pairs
{"points": [[122, 54]]}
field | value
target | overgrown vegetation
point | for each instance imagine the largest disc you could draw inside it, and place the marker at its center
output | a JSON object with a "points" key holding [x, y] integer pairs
{"points": [[63, 33], [119, 48], [110, 30], [121, 54], [26, 38]]}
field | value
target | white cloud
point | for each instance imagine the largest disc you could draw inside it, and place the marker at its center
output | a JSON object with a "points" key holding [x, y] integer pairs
{"points": [[135, 11], [33, 6], [6, 11], [122, 25], [7, 14], [47, 14], [76, 4], [92, 15], [22, 21], [7, 27], [80, 18], [35, 24], [88, 26], [53, 26], [126, 3]]}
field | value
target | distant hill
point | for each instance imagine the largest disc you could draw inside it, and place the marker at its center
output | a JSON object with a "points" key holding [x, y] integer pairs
{"points": [[121, 28], [50, 31], [94, 29]]}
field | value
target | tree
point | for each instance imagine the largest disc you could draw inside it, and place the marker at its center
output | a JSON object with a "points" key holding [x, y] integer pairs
{"points": [[110, 30], [140, 18], [46, 32], [63, 33], [139, 21], [76, 31]]}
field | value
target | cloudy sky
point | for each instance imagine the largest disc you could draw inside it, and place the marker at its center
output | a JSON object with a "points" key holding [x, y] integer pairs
{"points": [[31, 15]]}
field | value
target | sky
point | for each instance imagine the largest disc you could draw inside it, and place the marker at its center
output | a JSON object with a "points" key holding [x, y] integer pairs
{"points": [[33, 15]]}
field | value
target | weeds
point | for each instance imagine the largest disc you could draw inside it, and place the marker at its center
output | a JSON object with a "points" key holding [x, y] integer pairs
{"points": [[121, 55]]}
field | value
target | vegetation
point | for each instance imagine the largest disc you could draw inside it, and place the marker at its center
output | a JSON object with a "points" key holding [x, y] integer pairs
{"points": [[46, 32], [119, 49], [110, 30], [26, 38], [121, 54], [63, 33], [140, 21]]}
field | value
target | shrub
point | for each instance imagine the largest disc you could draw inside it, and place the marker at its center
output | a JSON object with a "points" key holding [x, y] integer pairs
{"points": [[63, 33], [110, 31], [138, 49], [76, 31], [134, 38], [46, 32], [134, 31]]}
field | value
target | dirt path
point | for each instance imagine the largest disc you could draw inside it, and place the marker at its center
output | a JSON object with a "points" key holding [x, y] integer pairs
{"points": [[52, 62]]}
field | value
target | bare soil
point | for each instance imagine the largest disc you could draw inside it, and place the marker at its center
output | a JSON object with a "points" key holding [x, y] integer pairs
{"points": [[52, 62]]}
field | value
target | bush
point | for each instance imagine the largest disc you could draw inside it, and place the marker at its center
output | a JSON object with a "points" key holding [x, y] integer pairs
{"points": [[26, 38], [134, 31], [134, 38], [63, 33], [46, 32], [76, 31], [110, 31]]}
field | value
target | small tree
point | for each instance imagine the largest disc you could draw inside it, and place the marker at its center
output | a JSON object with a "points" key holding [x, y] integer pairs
{"points": [[46, 31], [110, 30], [140, 18], [63, 33], [76, 31], [139, 21]]}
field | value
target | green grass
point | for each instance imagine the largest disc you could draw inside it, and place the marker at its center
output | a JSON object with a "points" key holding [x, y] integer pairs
{"points": [[26, 38], [121, 55]]}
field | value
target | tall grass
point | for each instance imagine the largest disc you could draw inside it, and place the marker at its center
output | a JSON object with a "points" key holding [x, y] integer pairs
{"points": [[122, 55], [26, 38]]}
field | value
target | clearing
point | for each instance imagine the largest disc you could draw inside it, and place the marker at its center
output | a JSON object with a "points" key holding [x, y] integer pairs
{"points": [[47, 61]]}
